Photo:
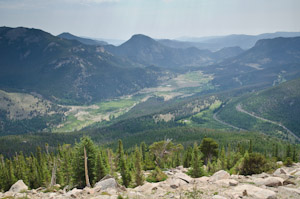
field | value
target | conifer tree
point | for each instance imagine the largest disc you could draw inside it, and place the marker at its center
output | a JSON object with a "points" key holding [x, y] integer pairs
{"points": [[79, 161], [223, 159], [250, 150], [229, 158], [125, 174], [143, 149], [288, 151], [294, 154], [188, 157], [209, 149], [20, 168], [100, 170], [11, 178], [139, 179], [276, 151], [197, 170]]}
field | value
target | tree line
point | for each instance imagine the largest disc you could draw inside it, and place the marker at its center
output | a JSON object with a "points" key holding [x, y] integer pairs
{"points": [[85, 163]]}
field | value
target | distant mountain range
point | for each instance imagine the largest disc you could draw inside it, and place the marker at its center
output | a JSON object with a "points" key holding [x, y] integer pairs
{"points": [[69, 71], [66, 71], [219, 42], [147, 51], [268, 62]]}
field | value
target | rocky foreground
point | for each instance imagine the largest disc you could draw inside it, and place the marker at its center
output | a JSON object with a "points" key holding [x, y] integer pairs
{"points": [[283, 183]]}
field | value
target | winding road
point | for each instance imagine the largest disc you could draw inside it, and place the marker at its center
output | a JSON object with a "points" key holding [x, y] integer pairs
{"points": [[240, 109], [225, 123]]}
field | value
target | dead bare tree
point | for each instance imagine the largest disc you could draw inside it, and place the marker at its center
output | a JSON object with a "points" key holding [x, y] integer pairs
{"points": [[87, 180]]}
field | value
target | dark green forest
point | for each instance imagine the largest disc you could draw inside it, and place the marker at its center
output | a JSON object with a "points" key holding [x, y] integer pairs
{"points": [[65, 165]]}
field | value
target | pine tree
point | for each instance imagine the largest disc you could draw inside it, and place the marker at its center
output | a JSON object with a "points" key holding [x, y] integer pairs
{"points": [[125, 174], [276, 151], [197, 170], [250, 150], [223, 159], [11, 178], [143, 149], [79, 175], [294, 154], [139, 179], [188, 157], [209, 149], [20, 166], [229, 158], [100, 170], [288, 151]]}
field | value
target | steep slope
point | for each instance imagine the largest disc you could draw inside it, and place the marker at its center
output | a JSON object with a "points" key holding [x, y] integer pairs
{"points": [[270, 61], [146, 51], [65, 70], [69, 36]]}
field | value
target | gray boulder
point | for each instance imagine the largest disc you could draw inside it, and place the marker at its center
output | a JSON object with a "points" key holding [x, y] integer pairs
{"points": [[220, 175], [18, 187], [280, 171], [108, 182]]}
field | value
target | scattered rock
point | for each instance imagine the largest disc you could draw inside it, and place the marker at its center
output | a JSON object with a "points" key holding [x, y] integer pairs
{"points": [[288, 181], [270, 181], [219, 176], [18, 186], [251, 191], [280, 163], [183, 177], [280, 171], [73, 193]]}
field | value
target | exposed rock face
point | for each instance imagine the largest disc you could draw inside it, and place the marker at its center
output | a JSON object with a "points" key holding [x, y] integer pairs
{"points": [[18, 186]]}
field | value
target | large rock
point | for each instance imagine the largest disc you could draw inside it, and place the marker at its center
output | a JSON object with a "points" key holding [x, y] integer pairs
{"points": [[251, 191], [18, 186], [280, 171], [183, 176], [270, 181], [219, 176], [73, 193], [108, 182]]}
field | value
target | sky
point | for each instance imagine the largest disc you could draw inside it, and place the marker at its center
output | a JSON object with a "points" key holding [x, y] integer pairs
{"points": [[120, 19]]}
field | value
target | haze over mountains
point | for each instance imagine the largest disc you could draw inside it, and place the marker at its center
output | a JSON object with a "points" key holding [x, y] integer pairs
{"points": [[68, 70]]}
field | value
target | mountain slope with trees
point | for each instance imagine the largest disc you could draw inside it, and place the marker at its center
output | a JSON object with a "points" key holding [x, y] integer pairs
{"points": [[66, 71]]}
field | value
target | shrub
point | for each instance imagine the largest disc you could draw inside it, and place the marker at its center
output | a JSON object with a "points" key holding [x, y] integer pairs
{"points": [[253, 163], [288, 162], [156, 176]]}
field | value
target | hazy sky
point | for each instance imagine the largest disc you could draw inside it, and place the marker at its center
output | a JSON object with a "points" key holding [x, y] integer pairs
{"points": [[119, 19]]}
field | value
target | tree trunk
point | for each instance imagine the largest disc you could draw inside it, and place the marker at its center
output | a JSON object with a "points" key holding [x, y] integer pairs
{"points": [[53, 176], [87, 181]]}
